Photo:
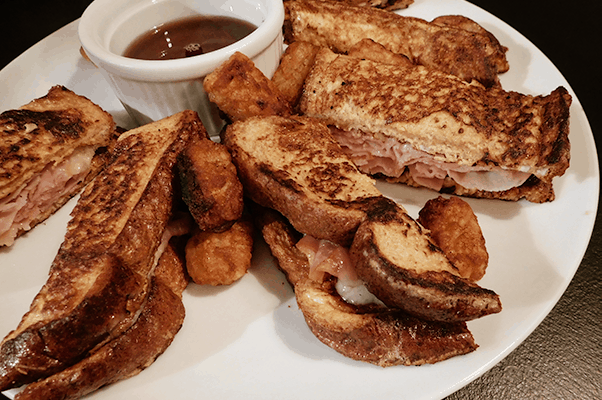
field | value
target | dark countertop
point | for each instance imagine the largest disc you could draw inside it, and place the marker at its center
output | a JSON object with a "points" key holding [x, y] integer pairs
{"points": [[561, 359]]}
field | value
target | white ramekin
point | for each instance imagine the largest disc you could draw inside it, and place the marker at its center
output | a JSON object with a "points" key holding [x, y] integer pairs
{"points": [[151, 90]]}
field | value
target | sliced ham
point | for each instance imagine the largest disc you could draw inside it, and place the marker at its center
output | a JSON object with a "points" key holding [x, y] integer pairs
{"points": [[327, 258], [390, 157], [19, 209]]}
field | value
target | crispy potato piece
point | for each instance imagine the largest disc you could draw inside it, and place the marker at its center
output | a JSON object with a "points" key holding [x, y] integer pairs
{"points": [[210, 185], [455, 229], [241, 90], [295, 64], [220, 258], [368, 49]]}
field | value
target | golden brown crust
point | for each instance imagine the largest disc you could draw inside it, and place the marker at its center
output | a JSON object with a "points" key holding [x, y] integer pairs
{"points": [[451, 120], [210, 186], [454, 227], [241, 90], [138, 347], [379, 336], [466, 54], [467, 24], [295, 166], [220, 258], [404, 269], [48, 130], [389, 5], [383, 338], [101, 274], [295, 64]]}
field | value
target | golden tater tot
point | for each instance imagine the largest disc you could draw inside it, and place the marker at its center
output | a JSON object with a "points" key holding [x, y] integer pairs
{"points": [[222, 258], [295, 64], [455, 229], [210, 185], [241, 90], [368, 49]]}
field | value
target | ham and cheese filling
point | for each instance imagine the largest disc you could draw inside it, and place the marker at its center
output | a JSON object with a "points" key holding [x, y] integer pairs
{"points": [[327, 258], [19, 209], [391, 157]]}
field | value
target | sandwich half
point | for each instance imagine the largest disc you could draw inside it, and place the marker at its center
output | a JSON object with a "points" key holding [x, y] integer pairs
{"points": [[365, 332], [424, 127], [455, 45], [100, 280], [49, 149]]}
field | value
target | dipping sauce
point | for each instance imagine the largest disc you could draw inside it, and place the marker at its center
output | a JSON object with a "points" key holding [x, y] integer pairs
{"points": [[188, 37]]}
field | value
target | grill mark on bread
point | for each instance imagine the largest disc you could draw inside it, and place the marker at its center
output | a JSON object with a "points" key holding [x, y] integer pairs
{"points": [[61, 124]]}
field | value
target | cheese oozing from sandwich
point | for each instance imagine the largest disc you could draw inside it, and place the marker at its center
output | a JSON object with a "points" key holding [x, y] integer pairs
{"points": [[20, 208], [390, 157], [327, 258]]}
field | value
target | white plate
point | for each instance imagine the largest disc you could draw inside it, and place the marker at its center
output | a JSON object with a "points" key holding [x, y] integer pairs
{"points": [[249, 340]]}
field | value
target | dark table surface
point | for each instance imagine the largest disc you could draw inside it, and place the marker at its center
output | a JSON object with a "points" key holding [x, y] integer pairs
{"points": [[561, 359]]}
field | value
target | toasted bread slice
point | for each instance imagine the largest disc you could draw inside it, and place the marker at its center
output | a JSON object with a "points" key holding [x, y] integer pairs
{"points": [[403, 267], [294, 165], [101, 275], [452, 120], [467, 54], [376, 335], [46, 131], [49, 149], [127, 355]]}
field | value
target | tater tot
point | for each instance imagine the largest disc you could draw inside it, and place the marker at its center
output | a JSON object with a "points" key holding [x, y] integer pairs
{"points": [[210, 185], [241, 90], [220, 258], [295, 64], [455, 229]]}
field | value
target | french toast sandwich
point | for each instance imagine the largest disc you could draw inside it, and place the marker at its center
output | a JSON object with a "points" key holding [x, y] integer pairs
{"points": [[427, 128], [49, 149], [100, 278], [161, 317], [370, 333], [462, 48]]}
